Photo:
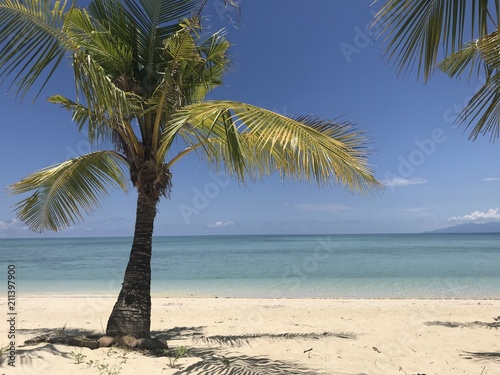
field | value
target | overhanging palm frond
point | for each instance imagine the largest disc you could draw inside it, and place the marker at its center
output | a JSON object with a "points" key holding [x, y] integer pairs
{"points": [[484, 107], [33, 41], [63, 191], [484, 110], [468, 58], [417, 30], [254, 142]]}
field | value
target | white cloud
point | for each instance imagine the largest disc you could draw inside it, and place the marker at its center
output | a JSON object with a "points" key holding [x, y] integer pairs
{"points": [[327, 207], [11, 227], [491, 214], [491, 179], [399, 181], [221, 224]]}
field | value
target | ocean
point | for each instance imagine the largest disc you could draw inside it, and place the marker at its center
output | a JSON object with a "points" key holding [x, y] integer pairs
{"points": [[269, 266]]}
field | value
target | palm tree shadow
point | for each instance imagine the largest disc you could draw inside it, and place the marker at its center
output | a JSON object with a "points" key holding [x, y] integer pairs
{"points": [[479, 356], [238, 340], [179, 333], [211, 361], [482, 356], [216, 360], [33, 357], [65, 331], [476, 324]]}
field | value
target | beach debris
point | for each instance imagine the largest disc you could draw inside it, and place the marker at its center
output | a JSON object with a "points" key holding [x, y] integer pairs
{"points": [[147, 344], [308, 350], [91, 341], [128, 341], [160, 344], [106, 341], [376, 349]]}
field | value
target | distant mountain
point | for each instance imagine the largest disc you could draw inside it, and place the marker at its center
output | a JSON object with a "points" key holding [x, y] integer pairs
{"points": [[493, 227]]}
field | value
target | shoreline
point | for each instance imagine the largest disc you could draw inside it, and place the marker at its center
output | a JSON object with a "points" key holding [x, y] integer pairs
{"points": [[106, 296], [193, 296]]}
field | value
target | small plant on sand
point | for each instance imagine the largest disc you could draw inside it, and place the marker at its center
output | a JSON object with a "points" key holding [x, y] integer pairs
{"points": [[78, 357], [60, 331], [173, 357], [105, 368]]}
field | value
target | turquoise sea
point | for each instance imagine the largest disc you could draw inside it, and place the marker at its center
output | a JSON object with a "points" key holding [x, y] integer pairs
{"points": [[336, 266]]}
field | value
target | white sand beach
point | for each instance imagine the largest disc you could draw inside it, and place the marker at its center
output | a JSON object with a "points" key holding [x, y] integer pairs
{"points": [[264, 336]]}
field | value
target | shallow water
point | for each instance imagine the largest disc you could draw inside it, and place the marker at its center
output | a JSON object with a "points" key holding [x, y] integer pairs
{"points": [[347, 266]]}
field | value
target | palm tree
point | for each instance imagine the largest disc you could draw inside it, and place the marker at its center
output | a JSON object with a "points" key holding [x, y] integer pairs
{"points": [[142, 71], [418, 32]]}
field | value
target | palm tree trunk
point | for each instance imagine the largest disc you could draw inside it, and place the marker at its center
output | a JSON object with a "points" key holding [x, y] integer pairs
{"points": [[131, 314]]}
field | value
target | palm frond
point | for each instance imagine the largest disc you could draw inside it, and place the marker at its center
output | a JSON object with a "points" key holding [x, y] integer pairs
{"points": [[105, 101], [33, 41], [484, 110], [61, 192], [468, 58], [99, 127], [489, 48], [98, 38], [254, 142], [418, 31], [191, 72], [238, 340], [217, 62], [155, 20]]}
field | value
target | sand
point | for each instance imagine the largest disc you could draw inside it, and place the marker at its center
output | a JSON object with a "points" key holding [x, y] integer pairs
{"points": [[268, 337]]}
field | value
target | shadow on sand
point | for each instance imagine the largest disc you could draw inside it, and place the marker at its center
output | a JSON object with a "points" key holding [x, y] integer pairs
{"points": [[218, 361], [482, 356], [479, 356], [476, 324], [210, 360]]}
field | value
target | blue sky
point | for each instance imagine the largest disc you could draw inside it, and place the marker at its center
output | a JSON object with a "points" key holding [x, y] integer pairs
{"points": [[294, 58]]}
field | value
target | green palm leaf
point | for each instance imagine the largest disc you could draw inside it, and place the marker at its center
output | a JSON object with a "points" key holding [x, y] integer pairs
{"points": [[483, 108], [253, 142], [468, 58], [63, 191], [421, 31], [155, 20], [416, 31], [33, 41]]}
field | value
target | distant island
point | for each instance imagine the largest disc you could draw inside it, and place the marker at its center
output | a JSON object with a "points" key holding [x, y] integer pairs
{"points": [[492, 227]]}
